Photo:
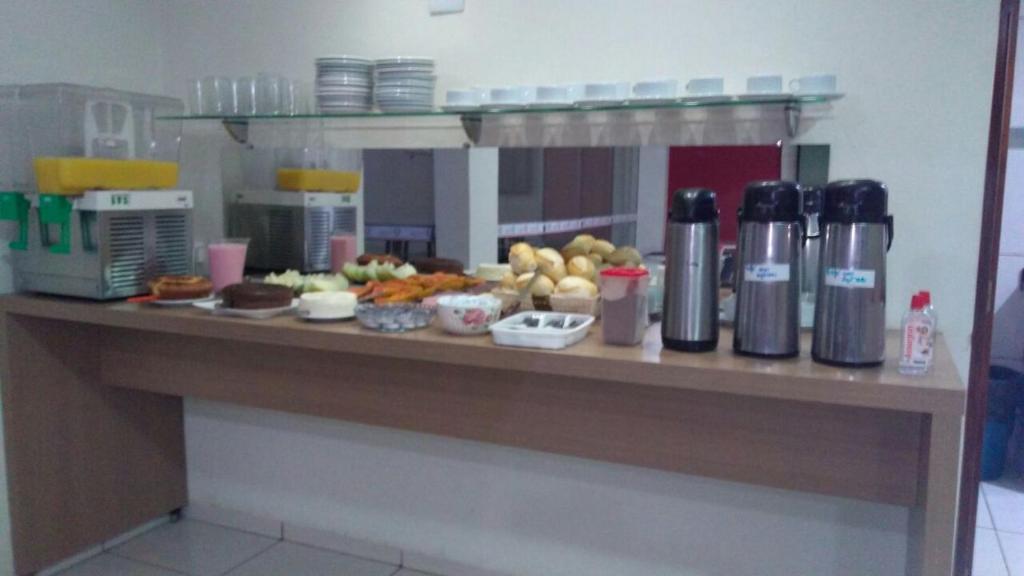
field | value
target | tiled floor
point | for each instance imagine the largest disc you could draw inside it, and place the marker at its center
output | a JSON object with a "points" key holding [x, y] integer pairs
{"points": [[999, 539], [195, 548]]}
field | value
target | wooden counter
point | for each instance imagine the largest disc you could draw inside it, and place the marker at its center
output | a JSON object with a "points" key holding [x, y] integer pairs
{"points": [[93, 414]]}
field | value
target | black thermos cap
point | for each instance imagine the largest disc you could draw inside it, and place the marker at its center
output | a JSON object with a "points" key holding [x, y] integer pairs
{"points": [[771, 201], [850, 201], [694, 205]]}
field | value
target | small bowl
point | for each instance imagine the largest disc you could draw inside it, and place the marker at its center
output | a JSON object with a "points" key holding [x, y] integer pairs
{"points": [[466, 315], [393, 317]]}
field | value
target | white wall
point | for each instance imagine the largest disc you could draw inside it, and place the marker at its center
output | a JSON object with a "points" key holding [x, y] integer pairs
{"points": [[98, 42], [918, 78]]}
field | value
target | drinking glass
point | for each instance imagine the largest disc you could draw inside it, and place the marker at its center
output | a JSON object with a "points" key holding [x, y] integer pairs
{"points": [[226, 261], [245, 96], [217, 98], [195, 97], [268, 94]]}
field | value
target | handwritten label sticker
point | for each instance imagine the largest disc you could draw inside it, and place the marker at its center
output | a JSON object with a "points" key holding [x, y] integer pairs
{"points": [[849, 278], [766, 272]]}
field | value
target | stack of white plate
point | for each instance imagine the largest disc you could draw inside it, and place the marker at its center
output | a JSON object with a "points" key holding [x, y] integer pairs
{"points": [[344, 84], [404, 84]]}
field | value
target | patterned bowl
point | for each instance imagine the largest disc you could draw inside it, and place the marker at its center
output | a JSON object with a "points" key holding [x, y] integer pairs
{"points": [[466, 314]]}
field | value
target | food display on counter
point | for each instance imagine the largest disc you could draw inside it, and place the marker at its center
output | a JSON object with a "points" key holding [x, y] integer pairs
{"points": [[327, 305], [434, 265], [394, 317], [300, 283], [415, 288], [577, 264], [180, 288], [378, 271], [256, 296], [379, 259], [468, 314], [545, 330]]}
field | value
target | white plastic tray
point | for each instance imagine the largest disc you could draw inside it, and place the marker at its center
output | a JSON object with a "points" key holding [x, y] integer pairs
{"points": [[535, 330]]}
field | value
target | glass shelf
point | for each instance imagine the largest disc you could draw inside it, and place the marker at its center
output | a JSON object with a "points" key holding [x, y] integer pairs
{"points": [[627, 106]]}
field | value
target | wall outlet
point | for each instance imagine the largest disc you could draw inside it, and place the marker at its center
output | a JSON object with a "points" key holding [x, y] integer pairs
{"points": [[438, 7]]}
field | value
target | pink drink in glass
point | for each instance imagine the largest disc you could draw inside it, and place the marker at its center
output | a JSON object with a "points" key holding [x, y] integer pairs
{"points": [[343, 251], [226, 260]]}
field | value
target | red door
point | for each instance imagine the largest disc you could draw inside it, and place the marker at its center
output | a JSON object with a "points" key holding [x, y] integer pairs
{"points": [[724, 169]]}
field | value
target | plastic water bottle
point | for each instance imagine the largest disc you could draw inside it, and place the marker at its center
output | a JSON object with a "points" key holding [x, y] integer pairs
{"points": [[917, 337]]}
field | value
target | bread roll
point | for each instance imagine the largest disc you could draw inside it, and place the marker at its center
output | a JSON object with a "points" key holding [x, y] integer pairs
{"points": [[542, 287], [508, 281], [522, 261], [576, 286], [551, 264], [596, 259], [581, 266], [627, 255], [602, 248], [519, 247]]}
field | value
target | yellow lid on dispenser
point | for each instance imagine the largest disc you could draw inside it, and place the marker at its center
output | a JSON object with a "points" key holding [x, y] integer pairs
{"points": [[71, 176], [304, 180]]}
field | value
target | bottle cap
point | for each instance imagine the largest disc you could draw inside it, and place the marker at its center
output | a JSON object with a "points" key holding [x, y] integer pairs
{"points": [[926, 297], [916, 302]]}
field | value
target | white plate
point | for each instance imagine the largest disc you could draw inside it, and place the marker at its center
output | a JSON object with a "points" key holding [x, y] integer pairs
{"points": [[309, 318], [704, 99], [173, 303], [261, 314], [599, 103], [762, 96]]}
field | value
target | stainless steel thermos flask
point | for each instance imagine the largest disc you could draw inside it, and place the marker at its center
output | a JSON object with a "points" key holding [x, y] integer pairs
{"points": [[690, 311], [768, 270], [849, 313]]}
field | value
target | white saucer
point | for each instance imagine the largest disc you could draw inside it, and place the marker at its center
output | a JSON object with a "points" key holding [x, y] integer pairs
{"points": [[653, 101], [707, 98], [548, 105], [190, 301], [215, 307], [600, 103], [460, 108], [502, 106], [762, 96]]}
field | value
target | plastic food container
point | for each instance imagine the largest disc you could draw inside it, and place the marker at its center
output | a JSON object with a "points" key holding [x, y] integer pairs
{"points": [[69, 120], [545, 330], [394, 317], [466, 314], [15, 163], [70, 176], [624, 305], [299, 180]]}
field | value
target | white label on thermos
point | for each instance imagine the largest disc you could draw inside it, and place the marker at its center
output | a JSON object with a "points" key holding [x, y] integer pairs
{"points": [[849, 278], [766, 272]]}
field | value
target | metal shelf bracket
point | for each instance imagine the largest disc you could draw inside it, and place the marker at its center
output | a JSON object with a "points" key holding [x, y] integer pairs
{"points": [[792, 119]]}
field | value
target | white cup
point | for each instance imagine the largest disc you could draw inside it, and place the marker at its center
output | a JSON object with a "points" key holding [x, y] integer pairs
{"points": [[505, 95], [816, 84], [526, 94], [606, 90], [770, 84], [553, 94], [656, 88], [462, 98], [711, 86]]}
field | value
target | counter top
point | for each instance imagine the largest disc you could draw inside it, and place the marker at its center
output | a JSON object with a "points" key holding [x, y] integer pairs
{"points": [[800, 379]]}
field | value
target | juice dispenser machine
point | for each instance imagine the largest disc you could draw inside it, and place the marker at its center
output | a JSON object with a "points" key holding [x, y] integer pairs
{"points": [[289, 212], [101, 216]]}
